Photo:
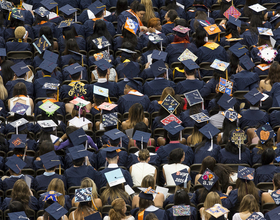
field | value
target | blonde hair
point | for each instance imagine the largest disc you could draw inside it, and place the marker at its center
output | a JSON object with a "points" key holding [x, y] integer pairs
{"points": [[19, 32], [88, 182], [211, 199], [58, 186], [167, 91], [116, 213], [149, 10], [3, 90], [249, 203], [143, 155], [196, 136]]}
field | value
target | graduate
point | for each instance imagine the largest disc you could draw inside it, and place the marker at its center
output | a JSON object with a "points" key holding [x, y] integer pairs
{"points": [[52, 7], [170, 17]]}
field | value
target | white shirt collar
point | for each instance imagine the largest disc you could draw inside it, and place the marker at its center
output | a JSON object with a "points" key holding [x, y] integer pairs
{"points": [[113, 165], [254, 108], [102, 80]]}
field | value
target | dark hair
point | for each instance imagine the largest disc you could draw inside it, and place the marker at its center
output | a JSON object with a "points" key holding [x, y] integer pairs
{"points": [[203, 192], [170, 4], [223, 171], [151, 216], [232, 148], [200, 37], [181, 197], [115, 142], [173, 137], [121, 6], [246, 10], [70, 33], [14, 23], [130, 46], [19, 89], [208, 162], [175, 156], [152, 46], [45, 147], [79, 162], [224, 5], [71, 44], [70, 129], [255, 22], [16, 206], [268, 156], [47, 31], [7, 72], [228, 126], [172, 14], [129, 37], [39, 19], [137, 6], [234, 61]]}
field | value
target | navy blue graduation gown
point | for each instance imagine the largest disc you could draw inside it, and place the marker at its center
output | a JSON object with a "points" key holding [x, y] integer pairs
{"points": [[263, 71], [154, 106], [37, 62], [28, 17], [68, 162], [117, 42], [17, 46], [112, 86], [209, 19], [3, 111], [126, 101], [157, 123], [253, 118], [133, 159], [36, 28], [67, 204], [188, 85], [250, 38], [169, 214], [275, 94], [244, 80], [74, 176], [56, 74], [42, 182], [170, 199], [2, 42], [31, 145], [265, 173], [159, 213], [9, 182], [276, 36], [121, 86], [10, 87], [156, 86], [167, 28], [9, 32], [148, 73], [203, 152], [39, 83], [274, 118], [101, 158], [228, 157], [257, 158], [187, 121], [88, 25], [144, 58], [125, 173], [33, 203], [76, 88], [254, 54], [64, 60], [61, 110], [121, 66]]}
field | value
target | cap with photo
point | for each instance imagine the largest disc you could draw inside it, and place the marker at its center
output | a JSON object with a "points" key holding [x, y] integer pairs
{"points": [[41, 11], [246, 62], [200, 117], [115, 177], [231, 115], [56, 211], [254, 96], [130, 70], [173, 127], [74, 69], [48, 67], [147, 193], [78, 152], [246, 173], [68, 9], [103, 64], [17, 215], [238, 50], [15, 164], [194, 97], [78, 137], [50, 160], [190, 64], [109, 120], [83, 195], [212, 29], [225, 86], [114, 134], [97, 7], [101, 42], [226, 101], [131, 25], [158, 68], [181, 178], [219, 65], [159, 55], [268, 54], [20, 108], [41, 44], [265, 133], [20, 69], [208, 179], [217, 211], [51, 195], [170, 104], [49, 107], [181, 31], [49, 4], [111, 152], [18, 141]]}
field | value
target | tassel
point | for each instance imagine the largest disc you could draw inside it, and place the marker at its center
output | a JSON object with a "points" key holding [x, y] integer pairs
{"points": [[16, 129], [93, 204], [57, 10], [9, 18], [82, 61], [226, 74], [109, 100], [167, 74], [57, 95], [161, 45], [180, 135], [23, 158], [202, 105], [79, 114], [239, 146], [185, 181], [121, 141], [106, 164], [75, 16], [20, 4], [59, 171], [211, 146], [219, 37], [142, 143]]}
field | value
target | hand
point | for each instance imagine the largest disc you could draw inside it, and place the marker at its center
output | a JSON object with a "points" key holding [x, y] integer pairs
{"points": [[144, 29], [151, 30], [223, 22], [31, 193], [229, 189], [147, 65]]}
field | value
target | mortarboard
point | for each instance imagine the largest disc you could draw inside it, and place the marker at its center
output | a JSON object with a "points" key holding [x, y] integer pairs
{"points": [[49, 107], [155, 38], [51, 86], [208, 179], [193, 97], [17, 14], [219, 65], [78, 137], [50, 56], [141, 136], [246, 173], [18, 141], [131, 25], [200, 117], [130, 70], [246, 62], [49, 4], [79, 122], [107, 106], [232, 12], [68, 9], [103, 64], [101, 42], [231, 115], [41, 44], [20, 108], [268, 54], [102, 55], [48, 66], [79, 102], [78, 152], [100, 91], [181, 31], [276, 196], [17, 215], [80, 54], [97, 7], [169, 119], [173, 127], [134, 84], [238, 50], [15, 164], [83, 195], [217, 211], [95, 216], [265, 133], [66, 23], [111, 152], [226, 101], [74, 69], [225, 86], [41, 11], [254, 96], [186, 55], [147, 193], [3, 52], [265, 33], [209, 130], [159, 55], [56, 211], [190, 64], [109, 120], [114, 134], [181, 178], [158, 68], [170, 104], [114, 177], [6, 5], [257, 8], [212, 29], [181, 210], [47, 124], [20, 68], [51, 195], [238, 137], [50, 160], [18, 124], [255, 216]]}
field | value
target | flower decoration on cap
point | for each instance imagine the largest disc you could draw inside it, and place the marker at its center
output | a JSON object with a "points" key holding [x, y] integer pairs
{"points": [[268, 54], [208, 179]]}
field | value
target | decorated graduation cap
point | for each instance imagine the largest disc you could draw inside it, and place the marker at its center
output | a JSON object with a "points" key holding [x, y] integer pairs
{"points": [[111, 152], [268, 54], [131, 25], [181, 210], [226, 101], [265, 133], [257, 8], [238, 138], [173, 127], [74, 69], [49, 107], [181, 31], [78, 152], [212, 29], [17, 14], [232, 12], [265, 33], [245, 62], [115, 177], [158, 68], [56, 211], [276, 196], [107, 106], [219, 65], [20, 108], [126, 52], [255, 216], [20, 69], [47, 125], [209, 131], [208, 179], [78, 137], [169, 119], [217, 210], [254, 96], [246, 173], [130, 70], [18, 141], [15, 164], [6, 5], [98, 90], [49, 4], [238, 50], [41, 44], [97, 7], [48, 66], [95, 216], [141, 136], [50, 56], [109, 120], [190, 64], [181, 178], [51, 195], [147, 193], [155, 38], [225, 86], [66, 23], [231, 115], [101, 42], [51, 87], [170, 104], [194, 97], [159, 55], [186, 55], [3, 52], [103, 64], [83, 195], [17, 215], [233, 22], [79, 122], [19, 124], [41, 11], [200, 117], [50, 160]]}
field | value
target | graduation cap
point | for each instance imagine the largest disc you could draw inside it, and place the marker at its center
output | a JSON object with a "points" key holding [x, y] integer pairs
{"points": [[6, 5], [17, 14], [107, 106], [80, 54], [246, 173], [50, 160], [3, 52], [41, 44], [225, 86], [97, 7], [56, 211], [265, 133], [130, 70], [208, 179], [17, 215], [226, 101], [79, 122], [18, 140], [103, 64], [238, 137], [170, 104], [200, 117], [78, 152], [219, 65], [212, 29], [181, 31], [51, 195], [114, 177], [265, 33], [209, 131], [66, 23], [231, 115], [131, 26], [254, 96], [15, 164], [169, 119], [74, 69], [42, 12], [68, 9], [109, 120], [78, 137], [98, 90], [48, 66], [83, 195], [50, 56], [181, 178], [159, 55], [155, 38], [95, 216], [49, 4], [49, 107], [232, 12], [276, 196], [101, 42], [111, 152], [51, 87], [238, 50], [193, 97], [114, 134], [134, 84], [147, 193], [141, 136], [217, 211], [18, 124], [181, 210], [79, 102], [20, 108], [45, 124], [246, 62], [190, 64], [186, 55], [257, 8], [268, 54], [173, 127], [158, 68], [255, 216], [20, 69]]}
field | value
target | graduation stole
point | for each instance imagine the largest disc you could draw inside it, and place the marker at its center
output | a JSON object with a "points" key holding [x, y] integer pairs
{"points": [[141, 215], [135, 92], [136, 16], [51, 100], [229, 36], [43, 22], [179, 70], [211, 45], [169, 22], [263, 66]]}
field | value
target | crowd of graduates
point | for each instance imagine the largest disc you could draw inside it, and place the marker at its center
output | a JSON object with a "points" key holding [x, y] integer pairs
{"points": [[151, 109]]}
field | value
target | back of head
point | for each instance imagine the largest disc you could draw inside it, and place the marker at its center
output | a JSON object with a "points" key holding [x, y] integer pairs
{"points": [[136, 114], [56, 185], [16, 206], [7, 72], [88, 182], [19, 32], [21, 193], [167, 91], [121, 6], [71, 44], [117, 212], [148, 181], [208, 162], [249, 204], [45, 147], [175, 156], [181, 197], [173, 15], [211, 199], [151, 216], [246, 187], [144, 154], [19, 89], [268, 156], [137, 6]]}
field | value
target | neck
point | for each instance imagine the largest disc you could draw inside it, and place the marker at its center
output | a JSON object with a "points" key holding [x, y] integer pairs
{"points": [[190, 76]]}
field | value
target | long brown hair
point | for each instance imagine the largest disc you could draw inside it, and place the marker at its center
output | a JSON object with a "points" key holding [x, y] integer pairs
{"points": [[84, 209], [58, 186], [135, 114], [249, 203], [116, 213], [208, 162], [266, 145], [112, 193], [149, 11], [88, 182], [167, 91], [148, 181], [144, 203], [246, 187], [21, 193], [273, 73]]}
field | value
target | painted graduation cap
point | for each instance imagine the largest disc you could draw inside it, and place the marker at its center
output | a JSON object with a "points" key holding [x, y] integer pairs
{"points": [[56, 211], [208, 179], [74, 69], [18, 141], [159, 55], [109, 120], [41, 44], [101, 42], [181, 210], [232, 12], [95, 216], [3, 52], [51, 86], [173, 127], [265, 133], [246, 173], [47, 124], [83, 195], [219, 65], [20, 68], [130, 70], [111, 152], [186, 55], [225, 86], [231, 115], [78, 152], [254, 96], [107, 106], [238, 137], [15, 164], [97, 7], [170, 104], [66, 23], [98, 90], [78, 137], [114, 177], [212, 29], [49, 107], [276, 196], [51, 195], [265, 33], [238, 50], [200, 117], [255, 216], [50, 160], [181, 178], [147, 193], [41, 11], [6, 5], [226, 101], [141, 136], [158, 68], [49, 4], [103, 64], [257, 8], [18, 123], [17, 14], [155, 38], [190, 64], [48, 66], [181, 31], [268, 54], [114, 134], [246, 62], [50, 56], [193, 97], [20, 108], [217, 211], [17, 215], [131, 26]]}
